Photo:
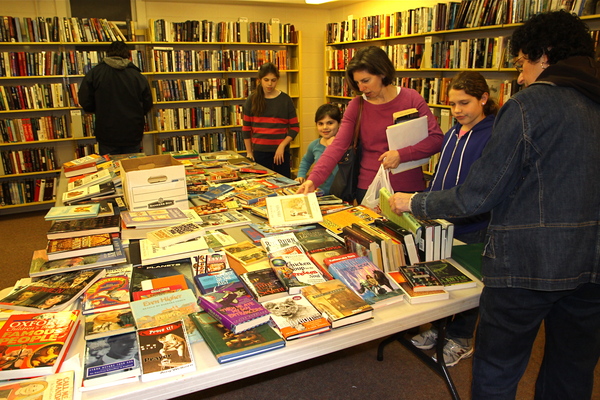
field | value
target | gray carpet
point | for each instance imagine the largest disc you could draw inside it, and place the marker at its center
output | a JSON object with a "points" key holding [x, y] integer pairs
{"points": [[350, 374]]}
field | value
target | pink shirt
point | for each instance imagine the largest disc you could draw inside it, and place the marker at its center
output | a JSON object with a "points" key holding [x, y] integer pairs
{"points": [[374, 121]]}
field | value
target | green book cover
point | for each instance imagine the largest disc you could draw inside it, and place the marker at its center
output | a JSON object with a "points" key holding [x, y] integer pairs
{"points": [[470, 257]]}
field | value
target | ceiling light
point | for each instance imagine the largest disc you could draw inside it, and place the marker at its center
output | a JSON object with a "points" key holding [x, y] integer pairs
{"points": [[318, 1]]}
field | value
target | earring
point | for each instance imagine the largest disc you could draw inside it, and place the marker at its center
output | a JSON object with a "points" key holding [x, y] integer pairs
{"points": [[483, 104]]}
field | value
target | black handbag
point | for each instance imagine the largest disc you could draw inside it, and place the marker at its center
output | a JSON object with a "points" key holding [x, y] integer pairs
{"points": [[345, 182]]}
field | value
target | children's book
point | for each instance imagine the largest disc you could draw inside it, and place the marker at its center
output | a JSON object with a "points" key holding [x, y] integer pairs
{"points": [[300, 209], [108, 323], [58, 249], [296, 317], [165, 351], [35, 352], [110, 292], [72, 212], [51, 387], [228, 346]]}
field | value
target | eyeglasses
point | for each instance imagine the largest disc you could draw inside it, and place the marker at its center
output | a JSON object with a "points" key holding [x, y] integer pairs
{"points": [[518, 63]]}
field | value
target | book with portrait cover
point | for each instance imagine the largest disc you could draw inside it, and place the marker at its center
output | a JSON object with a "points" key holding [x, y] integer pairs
{"points": [[58, 249], [111, 360], [227, 346], [165, 351], [110, 292], [234, 308], [51, 387], [296, 317], [108, 323], [52, 292], [297, 209], [35, 352]]}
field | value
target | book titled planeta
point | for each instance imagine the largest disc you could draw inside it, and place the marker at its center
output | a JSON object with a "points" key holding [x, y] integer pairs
{"points": [[36, 344], [228, 346], [52, 292], [295, 317], [300, 209], [234, 308], [338, 303], [165, 351], [79, 246], [59, 386]]}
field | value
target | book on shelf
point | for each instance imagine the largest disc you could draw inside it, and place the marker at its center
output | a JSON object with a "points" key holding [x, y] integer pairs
{"points": [[336, 221], [155, 218], [108, 323], [450, 276], [420, 277], [167, 308], [338, 303], [96, 178], [263, 284], [151, 254], [110, 361], [82, 165], [72, 212], [245, 253], [296, 317], [234, 308], [227, 346], [149, 272], [413, 297], [170, 235], [372, 284], [79, 246], [165, 351], [51, 292], [36, 352], [110, 292], [56, 386], [300, 209], [40, 265], [295, 270], [83, 227]]}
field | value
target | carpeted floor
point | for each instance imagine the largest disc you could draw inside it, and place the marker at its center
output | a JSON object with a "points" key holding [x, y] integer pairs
{"points": [[350, 374]]}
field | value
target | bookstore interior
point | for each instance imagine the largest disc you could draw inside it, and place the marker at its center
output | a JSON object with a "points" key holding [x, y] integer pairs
{"points": [[218, 270]]}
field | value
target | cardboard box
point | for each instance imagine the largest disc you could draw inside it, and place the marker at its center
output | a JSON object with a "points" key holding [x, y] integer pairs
{"points": [[154, 182]]}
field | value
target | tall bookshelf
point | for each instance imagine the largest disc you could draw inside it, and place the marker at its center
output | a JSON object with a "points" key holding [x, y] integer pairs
{"points": [[46, 119]]}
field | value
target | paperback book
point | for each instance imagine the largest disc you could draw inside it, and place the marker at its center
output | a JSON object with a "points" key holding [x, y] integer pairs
{"points": [[96, 178], [295, 271], [151, 254], [108, 323], [110, 292], [209, 263], [162, 270], [154, 218], [210, 282], [82, 165], [417, 297], [451, 277], [218, 238], [264, 284], [83, 227], [72, 212], [296, 317], [147, 293], [420, 278], [215, 192], [224, 220], [301, 209], [246, 253], [174, 234], [79, 246], [165, 351], [50, 387], [227, 346], [337, 221]]}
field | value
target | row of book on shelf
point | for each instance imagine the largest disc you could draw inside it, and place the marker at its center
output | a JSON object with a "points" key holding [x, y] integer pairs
{"points": [[310, 264], [39, 96], [196, 89]]}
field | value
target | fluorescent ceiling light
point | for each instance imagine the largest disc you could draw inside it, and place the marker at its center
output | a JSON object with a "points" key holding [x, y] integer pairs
{"points": [[318, 1]]}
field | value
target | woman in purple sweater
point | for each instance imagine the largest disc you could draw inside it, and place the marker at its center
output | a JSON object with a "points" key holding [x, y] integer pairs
{"points": [[371, 73]]}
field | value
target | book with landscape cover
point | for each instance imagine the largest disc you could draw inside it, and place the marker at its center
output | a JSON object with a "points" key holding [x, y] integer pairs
{"points": [[295, 270], [52, 292], [79, 246], [264, 284], [420, 278], [451, 277], [413, 297], [338, 303], [110, 292], [72, 212], [215, 192], [298, 209], [165, 351], [151, 254], [83, 227], [227, 346], [144, 273], [246, 253], [234, 308], [111, 360], [218, 238], [336, 221], [40, 265], [167, 308], [51, 387], [153, 218], [209, 282], [373, 285], [108, 323], [253, 196], [35, 352], [296, 317], [174, 234]]}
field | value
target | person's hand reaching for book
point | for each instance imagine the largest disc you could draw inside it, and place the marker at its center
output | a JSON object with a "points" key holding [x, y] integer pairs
{"points": [[400, 202], [307, 187]]}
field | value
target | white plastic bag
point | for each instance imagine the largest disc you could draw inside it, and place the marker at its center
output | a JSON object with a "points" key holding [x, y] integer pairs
{"points": [[382, 179]]}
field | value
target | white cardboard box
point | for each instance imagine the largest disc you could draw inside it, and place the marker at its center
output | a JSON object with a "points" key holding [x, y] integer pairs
{"points": [[154, 182]]}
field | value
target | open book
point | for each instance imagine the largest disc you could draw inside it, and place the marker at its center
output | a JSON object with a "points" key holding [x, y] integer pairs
{"points": [[407, 133]]}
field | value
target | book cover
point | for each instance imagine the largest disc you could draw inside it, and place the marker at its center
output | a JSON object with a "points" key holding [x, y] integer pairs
{"points": [[296, 317], [264, 284], [151, 254], [96, 178], [146, 294], [174, 234], [407, 133], [163, 282], [295, 271], [470, 257], [253, 234], [83, 227], [79, 246], [224, 220], [281, 241], [85, 193], [52, 292], [336, 221], [111, 360], [218, 238], [153, 218], [72, 212], [451, 277], [227, 346], [320, 244], [246, 253], [165, 351], [417, 297], [253, 196], [214, 281], [35, 352], [234, 308], [167, 308], [373, 285], [267, 230], [52, 387], [209, 263], [420, 278], [108, 323], [338, 303], [110, 292], [214, 192], [301, 209], [210, 208], [160, 270]]}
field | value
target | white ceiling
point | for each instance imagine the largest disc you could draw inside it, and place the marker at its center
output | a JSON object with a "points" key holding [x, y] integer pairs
{"points": [[290, 3]]}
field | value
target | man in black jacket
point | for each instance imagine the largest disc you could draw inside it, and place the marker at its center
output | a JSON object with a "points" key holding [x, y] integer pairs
{"points": [[120, 96]]}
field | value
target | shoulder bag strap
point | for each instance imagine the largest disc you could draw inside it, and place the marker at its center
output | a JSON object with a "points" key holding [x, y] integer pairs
{"points": [[357, 124]]}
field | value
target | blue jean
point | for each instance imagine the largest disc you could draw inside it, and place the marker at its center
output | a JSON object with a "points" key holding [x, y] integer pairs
{"points": [[509, 322]]}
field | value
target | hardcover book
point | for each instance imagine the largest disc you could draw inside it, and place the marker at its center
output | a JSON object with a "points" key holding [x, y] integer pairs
{"points": [[108, 323], [264, 284], [57, 386], [83, 227], [417, 297], [296, 317], [451, 277], [111, 360], [174, 234], [29, 353], [420, 278], [79, 246], [319, 245], [165, 351], [338, 303], [52, 292], [227, 346], [110, 292], [234, 308], [300, 209], [72, 212]]}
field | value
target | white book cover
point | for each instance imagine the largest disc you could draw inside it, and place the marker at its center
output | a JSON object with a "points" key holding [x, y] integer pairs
{"points": [[151, 254], [297, 209], [405, 134]]}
